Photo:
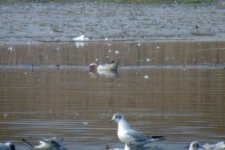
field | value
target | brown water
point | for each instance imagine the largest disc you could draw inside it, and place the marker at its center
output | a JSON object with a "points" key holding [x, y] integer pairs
{"points": [[171, 89]]}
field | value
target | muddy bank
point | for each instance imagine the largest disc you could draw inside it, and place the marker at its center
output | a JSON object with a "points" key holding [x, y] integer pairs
{"points": [[29, 22]]}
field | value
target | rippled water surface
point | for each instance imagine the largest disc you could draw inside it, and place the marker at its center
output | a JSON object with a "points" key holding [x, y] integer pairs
{"points": [[171, 89]]}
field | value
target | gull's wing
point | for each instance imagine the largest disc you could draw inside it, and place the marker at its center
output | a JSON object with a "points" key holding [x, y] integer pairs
{"points": [[138, 136]]}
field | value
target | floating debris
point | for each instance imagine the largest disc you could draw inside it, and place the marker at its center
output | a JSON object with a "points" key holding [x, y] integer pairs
{"points": [[146, 76], [117, 52], [10, 48], [148, 59], [5, 115], [85, 123]]}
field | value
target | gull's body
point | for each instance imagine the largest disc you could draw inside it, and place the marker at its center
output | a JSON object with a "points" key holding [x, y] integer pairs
{"points": [[196, 146], [127, 134], [7, 146], [49, 144]]}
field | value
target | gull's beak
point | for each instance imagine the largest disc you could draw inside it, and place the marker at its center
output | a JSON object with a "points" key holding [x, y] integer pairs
{"points": [[112, 120]]}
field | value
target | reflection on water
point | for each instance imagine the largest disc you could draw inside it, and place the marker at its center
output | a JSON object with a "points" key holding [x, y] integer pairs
{"points": [[184, 104]]}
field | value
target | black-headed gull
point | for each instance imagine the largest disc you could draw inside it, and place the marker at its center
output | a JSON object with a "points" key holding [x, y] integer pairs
{"points": [[7, 146], [196, 146], [126, 134], [47, 144]]}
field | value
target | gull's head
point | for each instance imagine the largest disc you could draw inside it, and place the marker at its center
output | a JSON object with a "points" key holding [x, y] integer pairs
{"points": [[194, 145], [117, 117]]}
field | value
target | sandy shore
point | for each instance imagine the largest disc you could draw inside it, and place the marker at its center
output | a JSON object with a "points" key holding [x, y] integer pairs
{"points": [[30, 22]]}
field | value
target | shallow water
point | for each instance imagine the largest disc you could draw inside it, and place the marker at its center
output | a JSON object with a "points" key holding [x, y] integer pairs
{"points": [[158, 88]]}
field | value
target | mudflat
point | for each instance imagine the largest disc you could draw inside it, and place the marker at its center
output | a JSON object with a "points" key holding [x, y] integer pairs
{"points": [[28, 22]]}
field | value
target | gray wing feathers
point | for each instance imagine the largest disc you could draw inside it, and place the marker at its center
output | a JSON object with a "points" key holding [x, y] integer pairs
{"points": [[138, 136]]}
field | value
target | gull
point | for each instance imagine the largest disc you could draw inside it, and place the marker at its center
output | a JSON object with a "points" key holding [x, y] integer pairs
{"points": [[47, 144], [7, 146], [196, 146], [126, 134], [81, 38]]}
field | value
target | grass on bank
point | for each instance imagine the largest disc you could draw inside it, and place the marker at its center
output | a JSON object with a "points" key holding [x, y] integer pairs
{"points": [[120, 1]]}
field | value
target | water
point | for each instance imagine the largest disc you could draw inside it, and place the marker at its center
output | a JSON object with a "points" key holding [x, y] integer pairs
{"points": [[172, 89]]}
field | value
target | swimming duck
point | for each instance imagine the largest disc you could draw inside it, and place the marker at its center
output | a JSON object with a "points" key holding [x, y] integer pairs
{"points": [[112, 66]]}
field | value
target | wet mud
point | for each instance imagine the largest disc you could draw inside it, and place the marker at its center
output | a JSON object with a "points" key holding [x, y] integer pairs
{"points": [[29, 22]]}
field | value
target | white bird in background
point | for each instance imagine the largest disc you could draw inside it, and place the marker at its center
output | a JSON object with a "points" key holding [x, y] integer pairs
{"points": [[196, 146], [81, 38], [7, 146], [126, 134], [48, 144]]}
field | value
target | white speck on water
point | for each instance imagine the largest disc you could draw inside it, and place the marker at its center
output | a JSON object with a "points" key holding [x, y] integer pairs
{"points": [[5, 115], [166, 58], [148, 59], [50, 111], [146, 76], [106, 39], [117, 52], [85, 123], [76, 114], [10, 48]]}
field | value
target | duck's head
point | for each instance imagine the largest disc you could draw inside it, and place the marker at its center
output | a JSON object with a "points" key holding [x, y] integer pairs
{"points": [[93, 67], [117, 117]]}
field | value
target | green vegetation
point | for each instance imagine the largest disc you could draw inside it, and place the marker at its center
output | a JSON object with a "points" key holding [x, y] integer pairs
{"points": [[120, 1]]}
